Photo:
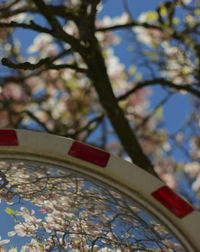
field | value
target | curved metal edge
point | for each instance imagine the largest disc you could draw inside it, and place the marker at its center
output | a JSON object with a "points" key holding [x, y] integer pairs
{"points": [[118, 173]]}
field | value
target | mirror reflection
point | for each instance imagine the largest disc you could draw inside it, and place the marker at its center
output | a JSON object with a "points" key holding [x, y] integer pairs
{"points": [[45, 208]]}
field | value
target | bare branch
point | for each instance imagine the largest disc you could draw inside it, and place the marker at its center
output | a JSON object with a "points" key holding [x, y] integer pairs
{"points": [[46, 62], [20, 78], [58, 10], [98, 74], [25, 65], [87, 127], [57, 31], [129, 25], [30, 26], [71, 66], [161, 82], [148, 117], [36, 119]]}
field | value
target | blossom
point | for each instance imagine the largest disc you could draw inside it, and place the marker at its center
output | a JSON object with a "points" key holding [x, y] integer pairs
{"points": [[71, 28], [73, 3], [150, 37], [169, 180], [12, 250], [178, 67], [34, 246], [149, 16], [72, 207], [113, 63], [43, 43], [186, 1], [3, 242], [196, 184], [23, 229], [192, 168], [195, 142], [112, 21], [13, 91], [4, 118]]}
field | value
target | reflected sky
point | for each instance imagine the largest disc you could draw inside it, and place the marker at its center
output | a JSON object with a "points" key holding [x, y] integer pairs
{"points": [[51, 209]]}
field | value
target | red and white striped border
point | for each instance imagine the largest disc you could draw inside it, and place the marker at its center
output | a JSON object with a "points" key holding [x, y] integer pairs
{"points": [[165, 204]]}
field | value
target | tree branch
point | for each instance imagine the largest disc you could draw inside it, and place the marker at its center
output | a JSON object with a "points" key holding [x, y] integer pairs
{"points": [[58, 10], [57, 28], [20, 78], [128, 25], [24, 65], [98, 74], [34, 118], [148, 117], [71, 66], [46, 62], [30, 26], [161, 82], [87, 126]]}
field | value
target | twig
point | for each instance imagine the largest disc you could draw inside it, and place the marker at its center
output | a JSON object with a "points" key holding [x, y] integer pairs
{"points": [[161, 82], [87, 126], [5, 181], [58, 10], [161, 103], [43, 62], [129, 25], [31, 26]]}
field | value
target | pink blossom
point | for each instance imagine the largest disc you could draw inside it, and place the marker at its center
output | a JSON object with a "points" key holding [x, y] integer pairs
{"points": [[3, 242], [13, 91]]}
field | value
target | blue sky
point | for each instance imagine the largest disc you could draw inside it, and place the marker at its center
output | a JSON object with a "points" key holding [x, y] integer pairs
{"points": [[136, 8], [178, 107], [174, 112]]}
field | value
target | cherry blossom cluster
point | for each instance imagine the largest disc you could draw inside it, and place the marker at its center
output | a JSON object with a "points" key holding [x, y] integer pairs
{"points": [[74, 214]]}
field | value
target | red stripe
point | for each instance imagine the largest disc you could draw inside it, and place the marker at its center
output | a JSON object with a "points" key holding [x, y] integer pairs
{"points": [[172, 201], [90, 154], [8, 138]]}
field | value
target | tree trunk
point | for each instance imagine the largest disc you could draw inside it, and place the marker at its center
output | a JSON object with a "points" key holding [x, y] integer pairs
{"points": [[98, 74]]}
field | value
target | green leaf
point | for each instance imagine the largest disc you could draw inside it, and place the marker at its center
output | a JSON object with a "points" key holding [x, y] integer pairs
{"points": [[163, 11], [152, 15], [197, 11], [138, 76], [9, 210], [176, 21], [152, 55], [159, 113], [132, 69], [12, 247]]}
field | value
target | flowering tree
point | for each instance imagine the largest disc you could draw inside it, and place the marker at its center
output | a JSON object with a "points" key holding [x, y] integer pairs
{"points": [[69, 81], [74, 214]]}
